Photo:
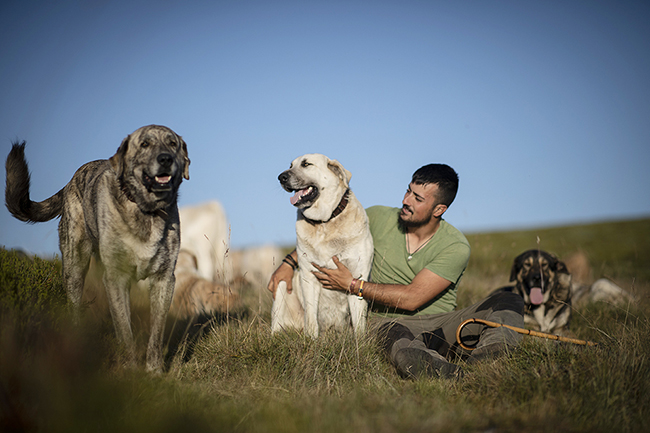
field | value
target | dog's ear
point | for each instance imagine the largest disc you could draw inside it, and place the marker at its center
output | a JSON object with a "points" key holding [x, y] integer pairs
{"points": [[561, 268], [564, 278], [340, 171], [117, 160], [517, 265], [186, 160], [555, 263]]}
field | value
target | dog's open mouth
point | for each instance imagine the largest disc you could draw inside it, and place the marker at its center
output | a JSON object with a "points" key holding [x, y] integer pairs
{"points": [[304, 197], [159, 183]]}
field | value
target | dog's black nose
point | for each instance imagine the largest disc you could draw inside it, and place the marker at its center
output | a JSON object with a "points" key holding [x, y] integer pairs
{"points": [[284, 176], [165, 159]]}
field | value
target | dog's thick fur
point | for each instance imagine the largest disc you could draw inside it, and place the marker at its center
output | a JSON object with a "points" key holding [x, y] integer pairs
{"points": [[205, 232], [123, 210], [253, 266], [196, 296], [320, 184], [545, 284]]}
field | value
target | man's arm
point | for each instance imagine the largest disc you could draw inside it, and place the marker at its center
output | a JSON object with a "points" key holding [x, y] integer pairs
{"points": [[425, 286], [284, 272]]}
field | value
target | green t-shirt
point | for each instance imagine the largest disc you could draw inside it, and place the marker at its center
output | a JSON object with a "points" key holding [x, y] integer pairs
{"points": [[446, 255]]}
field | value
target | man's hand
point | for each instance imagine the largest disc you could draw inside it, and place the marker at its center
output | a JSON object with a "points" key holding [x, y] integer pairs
{"points": [[334, 279], [283, 273]]}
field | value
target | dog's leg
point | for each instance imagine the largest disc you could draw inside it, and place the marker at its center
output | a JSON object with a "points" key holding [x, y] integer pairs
{"points": [[555, 321], [543, 321], [311, 293], [358, 313], [75, 255], [161, 294], [287, 313], [359, 307], [117, 286]]}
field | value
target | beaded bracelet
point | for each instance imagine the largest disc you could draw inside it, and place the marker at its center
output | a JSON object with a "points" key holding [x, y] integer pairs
{"points": [[353, 286], [360, 294], [290, 261]]}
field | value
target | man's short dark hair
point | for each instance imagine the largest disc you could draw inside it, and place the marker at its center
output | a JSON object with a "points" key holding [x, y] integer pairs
{"points": [[442, 175]]}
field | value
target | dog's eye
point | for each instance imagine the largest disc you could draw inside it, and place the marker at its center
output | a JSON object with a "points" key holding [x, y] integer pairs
{"points": [[305, 164], [144, 144], [173, 144]]}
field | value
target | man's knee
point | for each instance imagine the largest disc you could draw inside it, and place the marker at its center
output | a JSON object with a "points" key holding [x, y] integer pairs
{"points": [[501, 300], [391, 332]]}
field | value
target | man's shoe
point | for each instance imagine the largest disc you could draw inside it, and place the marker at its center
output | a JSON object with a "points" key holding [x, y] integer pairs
{"points": [[413, 363], [488, 352]]}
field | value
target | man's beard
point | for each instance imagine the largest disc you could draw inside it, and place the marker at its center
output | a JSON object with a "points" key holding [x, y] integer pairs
{"points": [[403, 225]]}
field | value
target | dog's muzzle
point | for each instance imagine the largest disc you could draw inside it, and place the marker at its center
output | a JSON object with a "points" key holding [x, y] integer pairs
{"points": [[161, 182], [535, 289], [303, 196]]}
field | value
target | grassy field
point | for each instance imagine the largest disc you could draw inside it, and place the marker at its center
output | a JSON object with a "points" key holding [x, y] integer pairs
{"points": [[230, 374]]}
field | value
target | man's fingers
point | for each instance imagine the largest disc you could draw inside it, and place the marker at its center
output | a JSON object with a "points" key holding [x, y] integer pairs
{"points": [[272, 287], [322, 278], [337, 262]]}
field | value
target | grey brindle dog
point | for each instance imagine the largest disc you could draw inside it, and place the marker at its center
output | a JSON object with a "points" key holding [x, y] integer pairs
{"points": [[545, 284], [122, 210]]}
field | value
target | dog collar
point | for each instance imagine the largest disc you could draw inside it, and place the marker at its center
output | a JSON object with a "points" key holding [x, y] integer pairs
{"points": [[340, 208]]}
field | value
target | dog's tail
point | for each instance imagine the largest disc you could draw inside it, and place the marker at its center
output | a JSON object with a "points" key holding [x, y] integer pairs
{"points": [[17, 191]]}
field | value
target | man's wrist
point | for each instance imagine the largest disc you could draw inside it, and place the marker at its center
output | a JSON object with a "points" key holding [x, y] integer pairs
{"points": [[356, 287], [289, 260], [352, 288]]}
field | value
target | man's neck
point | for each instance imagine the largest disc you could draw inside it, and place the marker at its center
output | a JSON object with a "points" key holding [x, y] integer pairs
{"points": [[424, 232]]}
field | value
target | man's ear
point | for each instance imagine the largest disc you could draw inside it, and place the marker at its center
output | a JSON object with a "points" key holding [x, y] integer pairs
{"points": [[439, 210], [117, 160], [340, 171]]}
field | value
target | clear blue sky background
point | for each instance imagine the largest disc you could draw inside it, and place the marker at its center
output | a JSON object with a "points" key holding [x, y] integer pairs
{"points": [[543, 107]]}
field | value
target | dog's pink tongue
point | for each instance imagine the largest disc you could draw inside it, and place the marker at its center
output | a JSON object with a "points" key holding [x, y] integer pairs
{"points": [[296, 197], [536, 296], [163, 179]]}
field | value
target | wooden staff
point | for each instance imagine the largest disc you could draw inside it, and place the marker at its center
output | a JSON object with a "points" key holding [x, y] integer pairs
{"points": [[518, 330]]}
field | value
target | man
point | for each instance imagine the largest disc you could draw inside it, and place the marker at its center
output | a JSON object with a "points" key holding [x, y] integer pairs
{"points": [[418, 261]]}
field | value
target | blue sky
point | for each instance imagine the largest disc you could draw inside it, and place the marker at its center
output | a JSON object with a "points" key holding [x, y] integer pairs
{"points": [[543, 107]]}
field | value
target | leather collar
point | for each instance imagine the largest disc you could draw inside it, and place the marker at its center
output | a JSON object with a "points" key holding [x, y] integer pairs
{"points": [[340, 208]]}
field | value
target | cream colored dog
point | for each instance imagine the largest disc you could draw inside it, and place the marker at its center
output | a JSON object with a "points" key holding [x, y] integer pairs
{"points": [[331, 222], [195, 296], [205, 234]]}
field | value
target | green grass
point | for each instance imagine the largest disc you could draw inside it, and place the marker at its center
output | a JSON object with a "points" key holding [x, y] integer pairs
{"points": [[235, 376], [616, 250]]}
